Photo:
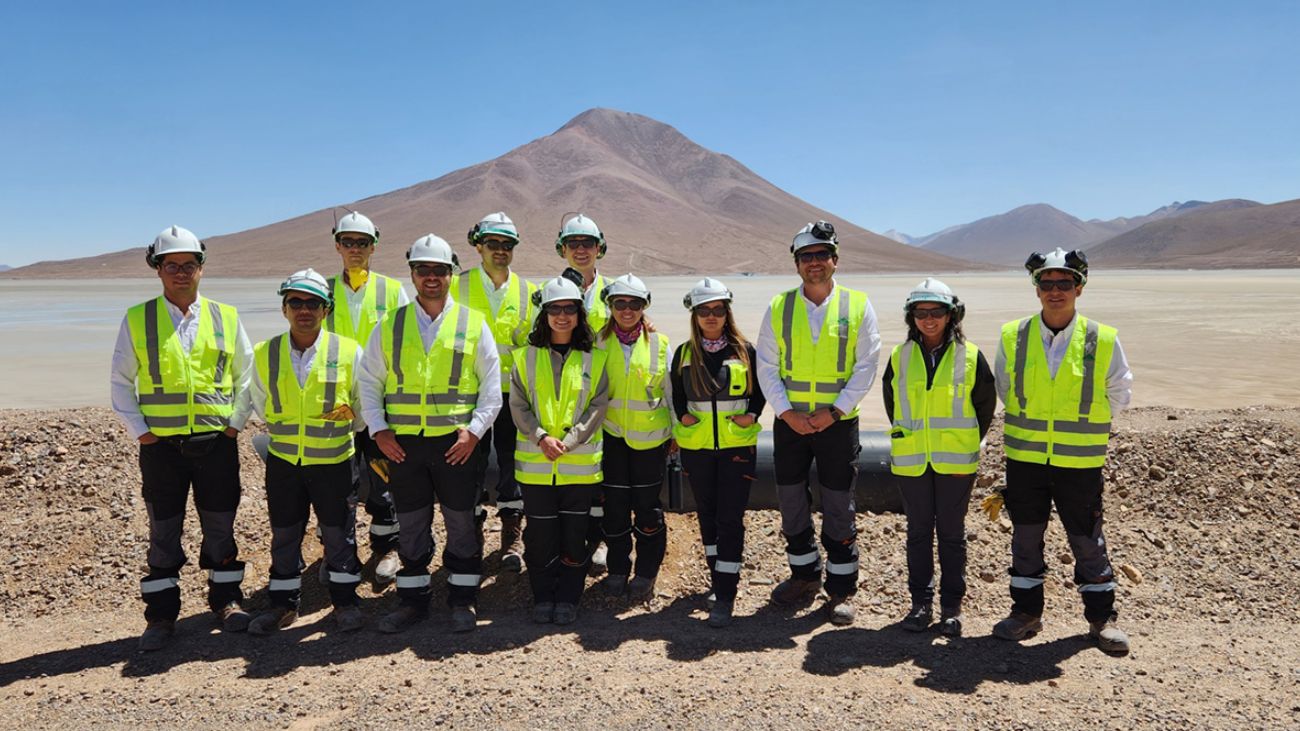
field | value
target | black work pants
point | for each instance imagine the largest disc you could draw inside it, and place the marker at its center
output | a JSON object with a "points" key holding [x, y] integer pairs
{"points": [[633, 480], [168, 469], [500, 438], [1031, 491], [555, 539], [373, 492], [416, 483], [836, 451], [933, 503], [720, 481], [292, 491]]}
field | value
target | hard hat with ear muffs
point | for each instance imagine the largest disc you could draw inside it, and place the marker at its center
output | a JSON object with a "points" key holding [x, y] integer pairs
{"points": [[494, 223], [1075, 262], [933, 290], [812, 234], [174, 240], [628, 285], [579, 225], [308, 281], [430, 249], [355, 223]]}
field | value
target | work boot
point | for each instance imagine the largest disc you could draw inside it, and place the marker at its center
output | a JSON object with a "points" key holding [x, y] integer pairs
{"points": [[711, 600], [565, 613], [598, 560], [641, 588], [387, 568], [841, 610], [157, 635], [400, 619], [795, 591], [233, 618], [614, 585], [511, 532], [544, 612], [918, 618], [1109, 637], [720, 613], [272, 620], [349, 619], [1018, 626], [950, 621], [464, 619]]}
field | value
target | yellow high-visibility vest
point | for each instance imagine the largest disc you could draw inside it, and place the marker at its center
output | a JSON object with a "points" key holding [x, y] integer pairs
{"points": [[431, 393], [184, 393], [511, 323], [295, 414], [714, 429], [558, 408], [598, 312], [814, 375], [936, 425], [381, 297], [638, 411]]}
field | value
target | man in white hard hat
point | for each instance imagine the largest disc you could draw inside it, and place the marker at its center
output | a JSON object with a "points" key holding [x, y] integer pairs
{"points": [[1063, 378], [818, 348], [179, 384], [505, 301], [304, 387], [430, 388], [363, 298]]}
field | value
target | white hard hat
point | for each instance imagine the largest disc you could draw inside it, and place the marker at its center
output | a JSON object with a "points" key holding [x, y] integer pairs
{"points": [[579, 225], [706, 290], [628, 285], [556, 290], [431, 249], [494, 223], [356, 223], [174, 240], [308, 281], [821, 232], [930, 290], [1075, 262]]}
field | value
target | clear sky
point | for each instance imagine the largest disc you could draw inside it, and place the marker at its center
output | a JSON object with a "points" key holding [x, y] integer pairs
{"points": [[122, 118]]}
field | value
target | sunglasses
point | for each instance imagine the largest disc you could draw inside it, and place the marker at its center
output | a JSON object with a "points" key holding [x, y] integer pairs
{"points": [[706, 311], [300, 304], [355, 243], [929, 312], [431, 270], [581, 243], [500, 245], [173, 268], [561, 309], [634, 305], [1062, 285], [808, 257]]}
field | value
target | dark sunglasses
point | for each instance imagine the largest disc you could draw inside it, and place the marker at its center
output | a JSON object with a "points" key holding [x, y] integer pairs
{"points": [[173, 268], [929, 312], [562, 309], [300, 304], [500, 245], [634, 305], [1063, 285], [431, 270], [808, 257], [581, 243], [355, 243], [715, 311]]}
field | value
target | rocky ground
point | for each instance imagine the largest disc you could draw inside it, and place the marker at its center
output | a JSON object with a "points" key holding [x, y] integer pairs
{"points": [[1203, 521]]}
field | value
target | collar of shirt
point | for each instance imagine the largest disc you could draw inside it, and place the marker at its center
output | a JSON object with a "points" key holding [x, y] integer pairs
{"points": [[490, 285], [814, 306], [429, 325], [178, 316], [302, 359], [1050, 339]]}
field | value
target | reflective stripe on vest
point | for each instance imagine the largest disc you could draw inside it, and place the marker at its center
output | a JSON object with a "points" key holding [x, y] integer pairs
{"points": [[299, 434], [935, 425], [184, 393], [431, 393], [638, 412], [557, 411], [510, 324], [597, 310], [1062, 420], [814, 374], [381, 297], [715, 429]]}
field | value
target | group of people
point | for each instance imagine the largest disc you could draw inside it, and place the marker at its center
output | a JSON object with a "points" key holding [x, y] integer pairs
{"points": [[371, 398]]}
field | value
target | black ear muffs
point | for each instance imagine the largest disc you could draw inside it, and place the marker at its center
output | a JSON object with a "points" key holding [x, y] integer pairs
{"points": [[536, 297], [1078, 261], [152, 261], [1035, 262], [559, 244], [958, 309], [472, 236]]}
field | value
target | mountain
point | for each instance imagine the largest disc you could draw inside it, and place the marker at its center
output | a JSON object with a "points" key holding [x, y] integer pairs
{"points": [[1239, 237], [666, 205], [899, 236], [5, 267]]}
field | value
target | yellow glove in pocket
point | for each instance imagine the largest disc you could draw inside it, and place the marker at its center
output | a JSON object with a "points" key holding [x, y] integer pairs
{"points": [[342, 413], [992, 505], [380, 467]]}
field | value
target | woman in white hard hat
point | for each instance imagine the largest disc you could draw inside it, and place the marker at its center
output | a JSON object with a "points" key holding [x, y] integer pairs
{"points": [[637, 429], [559, 393], [940, 396], [716, 401]]}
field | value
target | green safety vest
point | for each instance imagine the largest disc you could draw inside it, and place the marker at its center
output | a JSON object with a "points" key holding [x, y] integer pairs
{"points": [[936, 425], [294, 414], [715, 430], [182, 393], [557, 411], [512, 322], [638, 412], [814, 375], [382, 295], [431, 393], [598, 313], [1063, 421]]}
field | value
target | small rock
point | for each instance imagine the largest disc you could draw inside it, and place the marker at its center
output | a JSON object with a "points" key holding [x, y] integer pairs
{"points": [[1156, 472], [1066, 558], [1132, 573], [988, 576], [1171, 417], [760, 581]]}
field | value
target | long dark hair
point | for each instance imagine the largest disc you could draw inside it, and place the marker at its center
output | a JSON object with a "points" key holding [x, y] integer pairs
{"points": [[583, 337], [701, 379], [952, 333]]}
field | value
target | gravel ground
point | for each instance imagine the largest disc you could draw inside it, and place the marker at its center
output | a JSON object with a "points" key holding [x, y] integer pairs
{"points": [[1203, 521]]}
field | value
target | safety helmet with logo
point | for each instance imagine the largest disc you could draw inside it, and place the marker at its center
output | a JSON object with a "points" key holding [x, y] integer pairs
{"points": [[578, 224], [933, 290], [494, 223], [430, 249], [174, 240], [706, 290], [821, 232], [310, 282], [556, 290], [628, 285], [354, 222], [1074, 261]]}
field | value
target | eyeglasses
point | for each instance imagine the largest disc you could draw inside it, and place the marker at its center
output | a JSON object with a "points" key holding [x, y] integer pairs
{"points": [[301, 304], [808, 257], [172, 268], [431, 270], [580, 243], [929, 312], [634, 305], [500, 245], [355, 243], [561, 309], [715, 311], [1063, 285]]}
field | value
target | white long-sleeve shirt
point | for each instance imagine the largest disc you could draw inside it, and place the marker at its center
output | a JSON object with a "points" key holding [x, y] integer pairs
{"points": [[300, 361], [357, 297], [866, 356], [374, 373], [1119, 377], [126, 367]]}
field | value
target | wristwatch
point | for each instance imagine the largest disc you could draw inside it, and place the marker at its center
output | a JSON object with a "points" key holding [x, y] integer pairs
{"points": [[835, 411]]}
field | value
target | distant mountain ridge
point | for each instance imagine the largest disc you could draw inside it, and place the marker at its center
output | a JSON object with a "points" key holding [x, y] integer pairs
{"points": [[1210, 236]]}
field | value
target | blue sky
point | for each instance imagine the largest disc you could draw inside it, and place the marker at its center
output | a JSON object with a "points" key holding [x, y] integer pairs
{"points": [[122, 118]]}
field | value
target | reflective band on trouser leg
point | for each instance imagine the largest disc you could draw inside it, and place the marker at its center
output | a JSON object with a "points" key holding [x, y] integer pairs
{"points": [[413, 582], [597, 511], [1108, 586], [218, 576], [1025, 582], [812, 558], [727, 567], [510, 504], [338, 577], [841, 569], [294, 584], [471, 580], [153, 586], [380, 530], [710, 550]]}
